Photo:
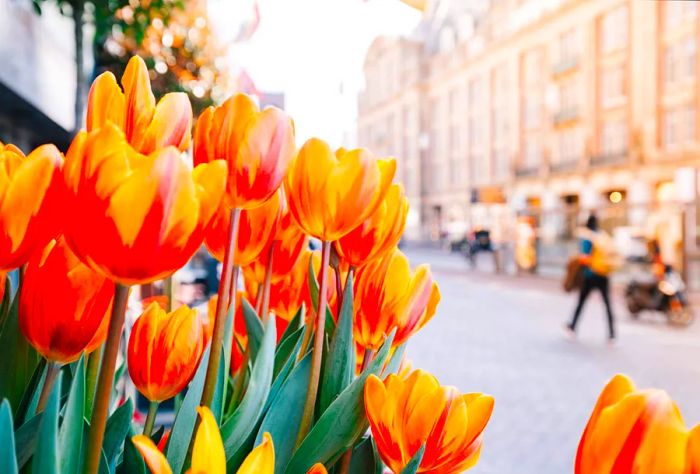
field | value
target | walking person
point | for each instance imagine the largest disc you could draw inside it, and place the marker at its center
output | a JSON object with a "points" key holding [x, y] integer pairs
{"points": [[598, 261]]}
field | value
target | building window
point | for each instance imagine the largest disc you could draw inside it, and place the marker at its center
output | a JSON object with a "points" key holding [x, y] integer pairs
{"points": [[532, 152], [613, 137], [569, 46], [612, 85], [569, 95], [679, 60], [678, 11], [569, 145], [679, 127], [614, 29]]}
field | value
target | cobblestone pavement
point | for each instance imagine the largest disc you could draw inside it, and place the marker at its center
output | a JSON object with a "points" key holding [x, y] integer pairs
{"points": [[503, 336]]}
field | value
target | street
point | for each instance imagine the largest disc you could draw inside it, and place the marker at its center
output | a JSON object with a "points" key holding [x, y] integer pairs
{"points": [[503, 335]]}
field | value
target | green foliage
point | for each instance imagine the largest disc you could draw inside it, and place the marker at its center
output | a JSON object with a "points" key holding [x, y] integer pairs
{"points": [[8, 459], [341, 424], [46, 456], [71, 434]]}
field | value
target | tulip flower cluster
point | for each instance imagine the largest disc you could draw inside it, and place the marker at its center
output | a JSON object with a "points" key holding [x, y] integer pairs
{"points": [[284, 377]]}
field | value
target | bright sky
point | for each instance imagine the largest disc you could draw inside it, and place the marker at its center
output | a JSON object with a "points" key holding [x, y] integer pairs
{"points": [[313, 51]]}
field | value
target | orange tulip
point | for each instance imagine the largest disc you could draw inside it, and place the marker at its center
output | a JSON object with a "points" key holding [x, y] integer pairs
{"points": [[287, 295], [147, 126], [164, 351], [638, 431], [407, 413], [288, 240], [379, 233], [31, 197], [257, 145], [331, 195], [63, 304], [255, 229], [136, 218], [388, 296]]}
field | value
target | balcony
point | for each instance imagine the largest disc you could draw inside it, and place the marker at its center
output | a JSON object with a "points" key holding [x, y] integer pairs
{"points": [[565, 115], [565, 65], [610, 158]]}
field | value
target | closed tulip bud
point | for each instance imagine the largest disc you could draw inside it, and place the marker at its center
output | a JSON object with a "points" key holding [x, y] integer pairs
{"points": [[379, 233], [257, 145], [405, 414], [388, 295], [147, 126], [31, 196], [63, 304], [638, 431], [164, 351], [255, 230], [317, 468], [287, 295], [137, 218], [331, 194]]}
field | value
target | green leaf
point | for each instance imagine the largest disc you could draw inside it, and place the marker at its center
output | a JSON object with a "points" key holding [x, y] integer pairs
{"points": [[6, 301], [339, 366], [45, 459], [217, 402], [313, 284], [25, 439], [365, 459], [395, 362], [286, 349], [341, 424], [294, 324], [283, 418], [414, 463], [237, 429], [18, 359], [281, 377], [179, 440], [31, 393], [227, 347], [71, 434], [8, 459], [254, 326], [132, 463], [118, 425]]}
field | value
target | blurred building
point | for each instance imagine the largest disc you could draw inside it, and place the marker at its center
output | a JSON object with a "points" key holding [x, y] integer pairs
{"points": [[549, 107], [37, 77]]}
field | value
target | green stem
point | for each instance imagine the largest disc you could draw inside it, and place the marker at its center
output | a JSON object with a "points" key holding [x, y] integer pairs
{"points": [[168, 292], [338, 290], [52, 370], [266, 284], [106, 379], [222, 304], [310, 404], [93, 366], [150, 419]]}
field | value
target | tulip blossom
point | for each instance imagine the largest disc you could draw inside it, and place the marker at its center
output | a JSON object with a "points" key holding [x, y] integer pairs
{"points": [[379, 233], [31, 198], [388, 295], [638, 431], [164, 351], [208, 455], [287, 295], [255, 230], [317, 468], [330, 195], [405, 414], [257, 145], [136, 218], [147, 126], [63, 304]]}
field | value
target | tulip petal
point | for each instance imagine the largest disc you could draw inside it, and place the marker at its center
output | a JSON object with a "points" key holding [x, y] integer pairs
{"points": [[140, 102], [105, 103], [692, 463], [208, 451], [261, 459], [155, 460], [171, 124], [204, 144]]}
